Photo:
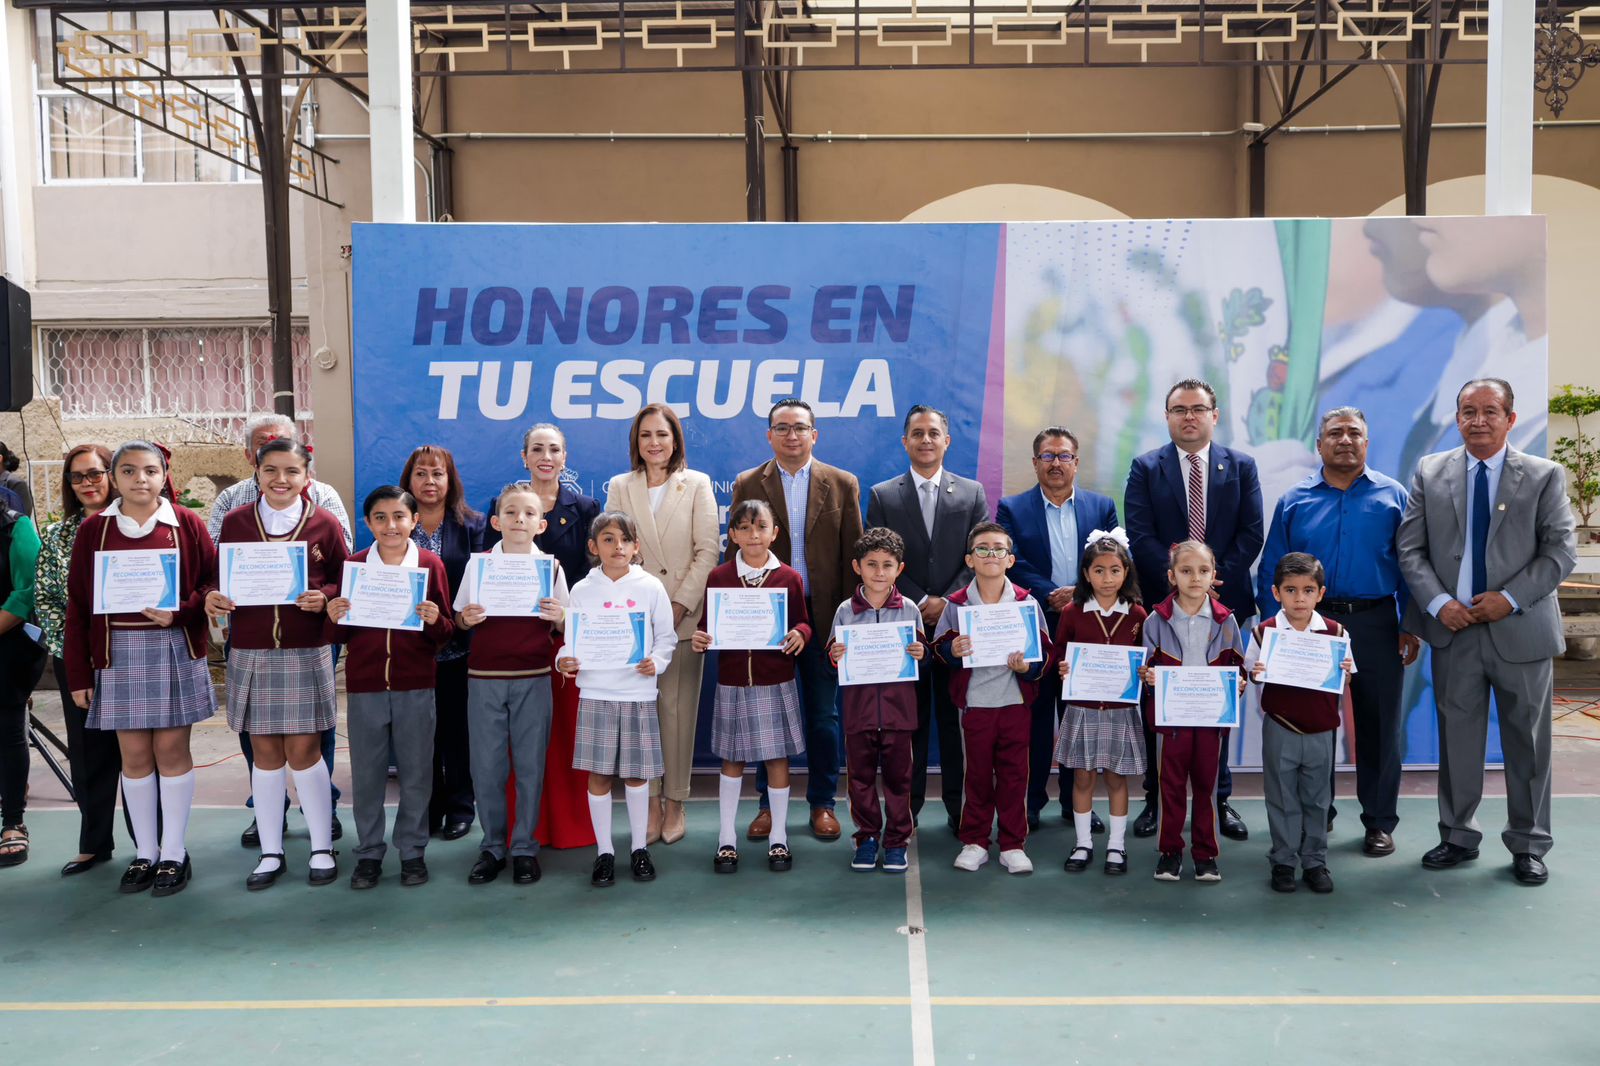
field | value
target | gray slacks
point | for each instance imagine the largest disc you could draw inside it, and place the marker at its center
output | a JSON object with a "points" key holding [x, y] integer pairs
{"points": [[1296, 771], [508, 728], [404, 720]]}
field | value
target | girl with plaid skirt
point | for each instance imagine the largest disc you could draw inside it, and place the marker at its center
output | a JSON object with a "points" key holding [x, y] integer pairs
{"points": [[144, 675], [756, 715], [619, 734], [280, 676]]}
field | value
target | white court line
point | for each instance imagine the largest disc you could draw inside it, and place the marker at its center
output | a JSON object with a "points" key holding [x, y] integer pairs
{"points": [[917, 956]]}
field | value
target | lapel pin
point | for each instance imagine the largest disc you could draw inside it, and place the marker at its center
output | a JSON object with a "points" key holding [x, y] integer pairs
{"points": [[1219, 466], [563, 521], [1502, 507]]}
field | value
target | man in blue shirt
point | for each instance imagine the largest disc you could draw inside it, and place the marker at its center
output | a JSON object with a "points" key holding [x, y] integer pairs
{"points": [[1346, 515]]}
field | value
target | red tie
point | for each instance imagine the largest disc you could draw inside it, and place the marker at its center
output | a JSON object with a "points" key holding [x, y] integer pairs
{"points": [[1197, 500]]}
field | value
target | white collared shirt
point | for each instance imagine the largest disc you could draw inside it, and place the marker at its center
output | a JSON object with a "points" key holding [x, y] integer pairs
{"points": [[164, 514], [411, 556], [280, 523], [1092, 605], [917, 480], [745, 570]]}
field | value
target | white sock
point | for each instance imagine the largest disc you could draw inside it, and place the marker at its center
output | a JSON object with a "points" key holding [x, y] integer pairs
{"points": [[1083, 821], [143, 803], [315, 792], [728, 809], [638, 797], [270, 787], [778, 800], [177, 796], [600, 818], [1117, 838]]}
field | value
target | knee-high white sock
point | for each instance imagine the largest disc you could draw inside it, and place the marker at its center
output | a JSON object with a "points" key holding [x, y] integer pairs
{"points": [[315, 792], [600, 818], [269, 788], [1117, 838], [778, 800], [177, 796], [143, 804], [638, 797], [1082, 824], [728, 809]]}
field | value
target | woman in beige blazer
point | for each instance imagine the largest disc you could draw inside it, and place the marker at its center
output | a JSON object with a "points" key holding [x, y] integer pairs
{"points": [[678, 543]]}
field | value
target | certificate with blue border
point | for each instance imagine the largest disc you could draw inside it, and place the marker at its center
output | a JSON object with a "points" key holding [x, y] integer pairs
{"points": [[128, 582]]}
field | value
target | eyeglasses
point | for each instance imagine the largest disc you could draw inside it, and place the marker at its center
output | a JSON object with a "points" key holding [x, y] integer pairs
{"points": [[983, 551], [1197, 410], [1064, 458], [788, 429], [78, 477]]}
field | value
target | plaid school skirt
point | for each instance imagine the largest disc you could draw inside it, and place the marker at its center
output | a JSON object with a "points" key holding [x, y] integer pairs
{"points": [[618, 738], [152, 683], [757, 723], [280, 691], [1110, 740]]}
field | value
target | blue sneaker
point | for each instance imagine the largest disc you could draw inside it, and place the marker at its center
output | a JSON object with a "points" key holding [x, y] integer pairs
{"points": [[866, 857], [894, 860]]}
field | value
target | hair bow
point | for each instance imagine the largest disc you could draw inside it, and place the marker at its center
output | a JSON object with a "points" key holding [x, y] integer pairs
{"points": [[1117, 534]]}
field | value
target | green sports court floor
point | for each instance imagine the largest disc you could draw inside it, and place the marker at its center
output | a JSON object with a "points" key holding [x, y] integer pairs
{"points": [[819, 965]]}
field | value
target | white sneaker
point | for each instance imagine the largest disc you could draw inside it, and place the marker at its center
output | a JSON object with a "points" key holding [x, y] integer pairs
{"points": [[1016, 861], [972, 856]]}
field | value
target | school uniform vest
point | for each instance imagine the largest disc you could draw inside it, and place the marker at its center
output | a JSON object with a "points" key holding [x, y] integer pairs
{"points": [[1300, 709], [396, 660]]}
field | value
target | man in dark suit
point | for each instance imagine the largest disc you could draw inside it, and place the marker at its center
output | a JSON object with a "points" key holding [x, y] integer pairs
{"points": [[818, 509], [1194, 489], [1048, 526], [933, 510]]}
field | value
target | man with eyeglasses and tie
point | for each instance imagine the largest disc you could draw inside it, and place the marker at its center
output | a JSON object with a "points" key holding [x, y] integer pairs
{"points": [[1048, 526], [1192, 488]]}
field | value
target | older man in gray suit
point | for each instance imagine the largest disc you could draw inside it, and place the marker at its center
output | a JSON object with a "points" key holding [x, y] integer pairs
{"points": [[1486, 540], [932, 510]]}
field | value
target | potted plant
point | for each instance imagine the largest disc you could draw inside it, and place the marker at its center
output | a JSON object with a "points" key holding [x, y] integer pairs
{"points": [[1580, 454]]}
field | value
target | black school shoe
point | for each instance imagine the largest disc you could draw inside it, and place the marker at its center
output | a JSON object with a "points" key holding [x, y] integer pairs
{"points": [[525, 869], [605, 871], [726, 861], [413, 872], [171, 877], [486, 869], [257, 882], [779, 859], [140, 875], [324, 875], [1118, 866], [1282, 879], [643, 869], [1078, 860], [366, 873], [1145, 824], [1318, 880], [1231, 824]]}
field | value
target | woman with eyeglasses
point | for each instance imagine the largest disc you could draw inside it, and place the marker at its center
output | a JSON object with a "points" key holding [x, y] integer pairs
{"points": [[92, 754]]}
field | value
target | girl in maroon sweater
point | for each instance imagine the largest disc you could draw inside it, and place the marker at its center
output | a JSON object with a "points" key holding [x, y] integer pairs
{"points": [[280, 677], [144, 675], [756, 716], [1098, 736]]}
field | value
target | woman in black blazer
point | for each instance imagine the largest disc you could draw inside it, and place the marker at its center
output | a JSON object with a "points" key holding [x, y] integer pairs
{"points": [[451, 530]]}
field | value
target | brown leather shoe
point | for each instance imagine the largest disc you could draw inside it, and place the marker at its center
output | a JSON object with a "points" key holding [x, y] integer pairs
{"points": [[760, 826], [824, 826], [1377, 843], [652, 829], [672, 828]]}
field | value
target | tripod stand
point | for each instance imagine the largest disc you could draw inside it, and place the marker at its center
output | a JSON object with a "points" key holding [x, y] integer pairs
{"points": [[41, 739]]}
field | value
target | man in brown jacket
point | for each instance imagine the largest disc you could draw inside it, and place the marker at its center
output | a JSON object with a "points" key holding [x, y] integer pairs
{"points": [[818, 511]]}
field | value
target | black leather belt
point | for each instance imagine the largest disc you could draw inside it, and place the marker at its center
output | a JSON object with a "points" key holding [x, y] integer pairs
{"points": [[1356, 606]]}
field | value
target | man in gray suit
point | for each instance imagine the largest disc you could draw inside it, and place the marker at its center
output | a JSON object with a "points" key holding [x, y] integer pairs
{"points": [[1486, 540], [932, 510]]}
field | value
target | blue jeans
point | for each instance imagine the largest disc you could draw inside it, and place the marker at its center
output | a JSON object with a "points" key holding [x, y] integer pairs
{"points": [[819, 703]]}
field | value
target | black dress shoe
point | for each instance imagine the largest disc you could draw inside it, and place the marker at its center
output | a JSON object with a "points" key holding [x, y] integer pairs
{"points": [[78, 866], [267, 878], [1318, 880], [251, 837], [486, 869], [1145, 824], [1282, 878], [605, 871], [779, 858], [1377, 843], [525, 869], [171, 877], [1118, 866], [455, 830], [1078, 860], [1095, 824], [413, 872], [338, 828], [366, 873], [1447, 855], [643, 869], [323, 875], [1232, 825], [140, 875], [727, 860], [1529, 869]]}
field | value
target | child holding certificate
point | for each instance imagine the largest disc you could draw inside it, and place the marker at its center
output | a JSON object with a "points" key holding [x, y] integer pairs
{"points": [[390, 675], [508, 682], [143, 673], [995, 716], [280, 676], [879, 718], [756, 716], [1101, 736], [619, 734], [1190, 627], [1297, 733]]}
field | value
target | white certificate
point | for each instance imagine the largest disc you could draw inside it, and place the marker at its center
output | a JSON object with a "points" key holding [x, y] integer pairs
{"points": [[1102, 673], [1303, 659], [511, 586], [604, 640], [1197, 696], [998, 629], [126, 582], [747, 619], [262, 575], [384, 597], [875, 653]]}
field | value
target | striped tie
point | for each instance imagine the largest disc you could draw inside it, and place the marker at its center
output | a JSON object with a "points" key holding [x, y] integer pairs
{"points": [[1197, 500]]}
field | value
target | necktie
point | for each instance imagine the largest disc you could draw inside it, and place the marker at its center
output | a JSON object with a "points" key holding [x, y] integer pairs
{"points": [[1480, 530], [1197, 499], [930, 500]]}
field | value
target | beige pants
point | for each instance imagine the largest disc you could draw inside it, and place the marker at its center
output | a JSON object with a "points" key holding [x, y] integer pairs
{"points": [[678, 706]]}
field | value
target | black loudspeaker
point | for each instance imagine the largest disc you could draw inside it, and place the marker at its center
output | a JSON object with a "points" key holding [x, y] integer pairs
{"points": [[16, 347]]}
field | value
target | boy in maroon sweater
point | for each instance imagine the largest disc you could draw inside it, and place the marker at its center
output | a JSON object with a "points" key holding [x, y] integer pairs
{"points": [[389, 675], [1297, 733]]}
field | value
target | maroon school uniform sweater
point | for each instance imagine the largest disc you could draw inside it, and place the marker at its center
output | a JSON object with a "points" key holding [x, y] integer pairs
{"points": [[396, 660], [1079, 625], [287, 626], [88, 635], [744, 669], [1300, 709]]}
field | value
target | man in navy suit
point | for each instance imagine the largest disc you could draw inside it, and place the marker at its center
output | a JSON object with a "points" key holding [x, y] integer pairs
{"points": [[1048, 526], [1194, 489]]}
